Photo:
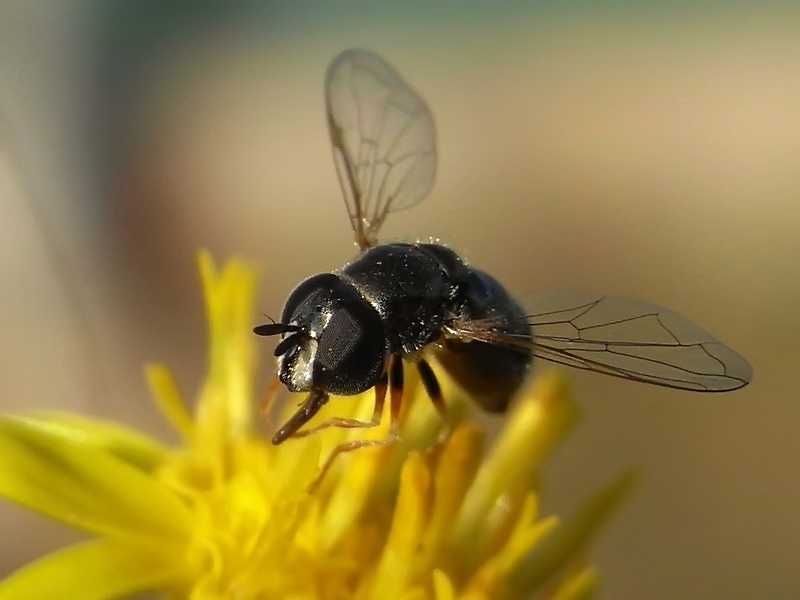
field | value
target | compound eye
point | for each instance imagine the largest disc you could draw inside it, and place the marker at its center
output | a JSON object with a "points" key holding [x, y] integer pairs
{"points": [[351, 349], [338, 340]]}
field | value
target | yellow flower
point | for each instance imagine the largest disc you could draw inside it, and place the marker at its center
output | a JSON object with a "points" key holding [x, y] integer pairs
{"points": [[226, 515]]}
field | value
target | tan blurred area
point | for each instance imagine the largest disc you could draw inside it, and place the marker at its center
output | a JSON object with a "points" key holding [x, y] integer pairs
{"points": [[645, 153]]}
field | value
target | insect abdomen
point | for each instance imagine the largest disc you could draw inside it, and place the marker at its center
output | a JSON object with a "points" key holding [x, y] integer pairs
{"points": [[490, 373]]}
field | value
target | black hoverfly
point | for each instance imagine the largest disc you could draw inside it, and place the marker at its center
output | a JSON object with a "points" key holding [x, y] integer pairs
{"points": [[350, 330]]}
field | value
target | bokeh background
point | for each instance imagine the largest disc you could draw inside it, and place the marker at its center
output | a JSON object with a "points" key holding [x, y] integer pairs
{"points": [[648, 149]]}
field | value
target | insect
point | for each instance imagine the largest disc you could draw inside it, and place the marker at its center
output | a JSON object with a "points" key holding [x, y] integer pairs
{"points": [[353, 329]]}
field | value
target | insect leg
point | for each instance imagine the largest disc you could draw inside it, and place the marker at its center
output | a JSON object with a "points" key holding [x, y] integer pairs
{"points": [[433, 388], [396, 400], [377, 413], [315, 400]]}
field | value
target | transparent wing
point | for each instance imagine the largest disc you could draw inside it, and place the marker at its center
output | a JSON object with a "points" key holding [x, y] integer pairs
{"points": [[383, 137], [626, 338]]}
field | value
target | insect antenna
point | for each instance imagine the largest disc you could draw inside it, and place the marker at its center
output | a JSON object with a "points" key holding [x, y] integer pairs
{"points": [[274, 328]]}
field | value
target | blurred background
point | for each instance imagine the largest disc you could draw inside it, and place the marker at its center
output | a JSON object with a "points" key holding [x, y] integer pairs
{"points": [[646, 149]]}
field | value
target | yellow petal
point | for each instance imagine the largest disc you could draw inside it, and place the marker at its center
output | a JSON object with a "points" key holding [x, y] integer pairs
{"points": [[443, 588], [168, 398], [130, 446], [533, 427], [415, 593], [556, 549], [224, 407], [488, 580], [95, 570], [454, 473], [84, 486], [581, 586], [411, 517]]}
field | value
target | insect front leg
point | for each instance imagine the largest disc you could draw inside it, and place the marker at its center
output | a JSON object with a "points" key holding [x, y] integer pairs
{"points": [[315, 400], [377, 413], [396, 402]]}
